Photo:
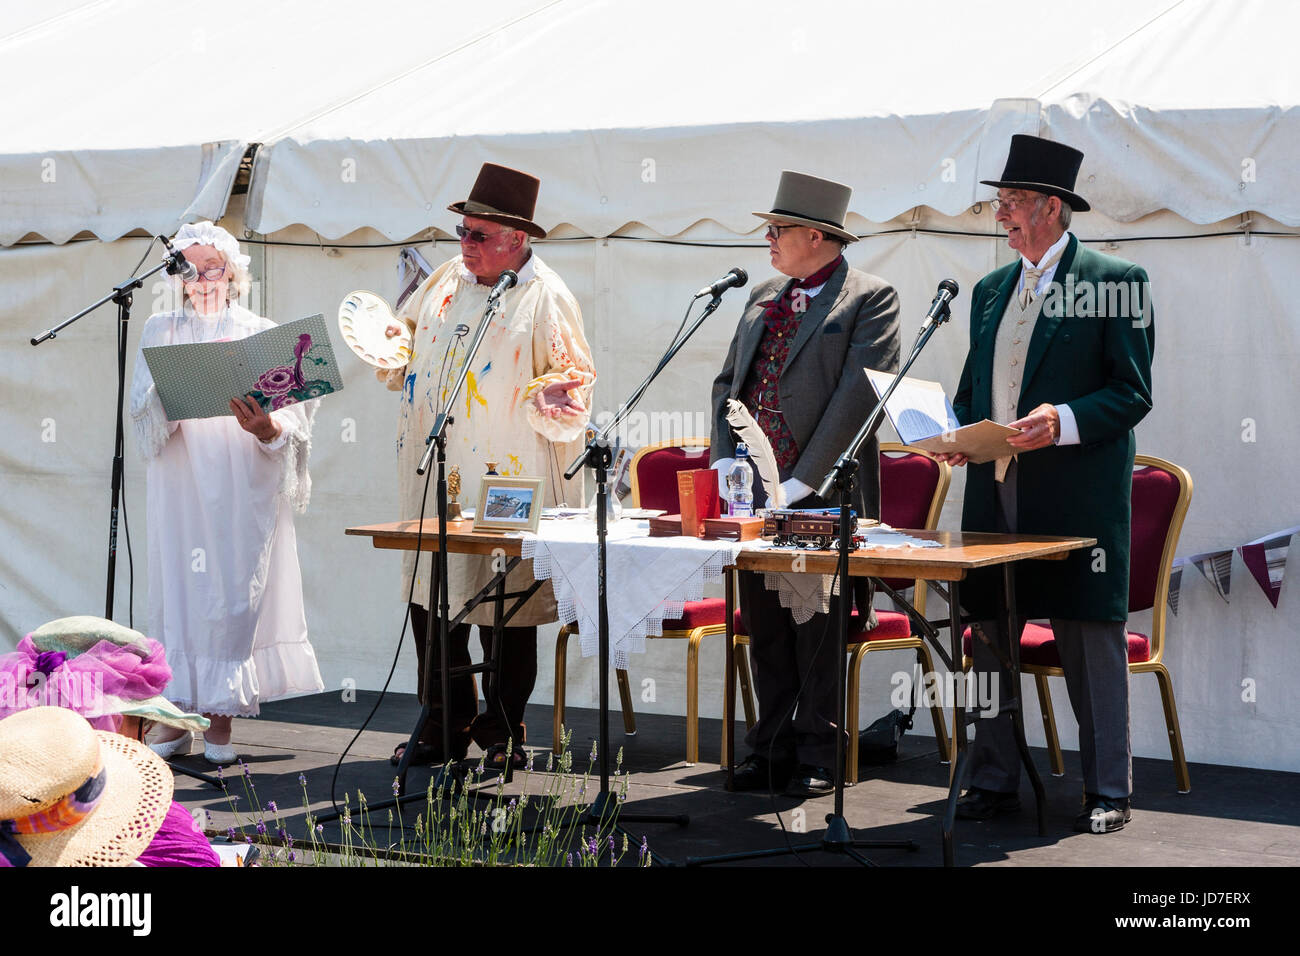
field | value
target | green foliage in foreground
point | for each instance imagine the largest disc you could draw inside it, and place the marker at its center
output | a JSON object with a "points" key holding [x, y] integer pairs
{"points": [[452, 829]]}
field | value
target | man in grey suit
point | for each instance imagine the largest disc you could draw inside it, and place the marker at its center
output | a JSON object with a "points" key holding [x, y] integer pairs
{"points": [[797, 362]]}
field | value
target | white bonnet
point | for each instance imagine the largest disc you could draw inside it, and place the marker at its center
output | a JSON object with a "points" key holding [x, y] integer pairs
{"points": [[208, 234]]}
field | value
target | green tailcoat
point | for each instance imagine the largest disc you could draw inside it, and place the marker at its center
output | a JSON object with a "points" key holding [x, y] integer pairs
{"points": [[1091, 349]]}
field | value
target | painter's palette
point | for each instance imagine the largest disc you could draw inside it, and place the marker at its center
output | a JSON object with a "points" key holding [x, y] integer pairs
{"points": [[363, 319]]}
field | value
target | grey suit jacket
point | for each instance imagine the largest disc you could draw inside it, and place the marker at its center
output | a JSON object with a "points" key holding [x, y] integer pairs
{"points": [[850, 325]]}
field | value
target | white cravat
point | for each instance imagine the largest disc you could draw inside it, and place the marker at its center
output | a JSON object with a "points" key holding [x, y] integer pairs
{"points": [[1041, 273]]}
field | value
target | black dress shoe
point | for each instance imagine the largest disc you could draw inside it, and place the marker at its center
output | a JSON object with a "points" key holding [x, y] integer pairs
{"points": [[810, 781], [758, 773], [981, 804], [1103, 814]]}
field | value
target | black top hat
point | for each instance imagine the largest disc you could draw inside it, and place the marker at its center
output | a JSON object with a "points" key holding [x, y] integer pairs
{"points": [[1042, 166], [503, 195]]}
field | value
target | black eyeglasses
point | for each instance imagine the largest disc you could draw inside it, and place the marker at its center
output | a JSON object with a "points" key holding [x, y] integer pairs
{"points": [[477, 237], [774, 231]]}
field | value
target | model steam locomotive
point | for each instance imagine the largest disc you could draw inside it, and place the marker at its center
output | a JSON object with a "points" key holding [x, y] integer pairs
{"points": [[813, 529]]}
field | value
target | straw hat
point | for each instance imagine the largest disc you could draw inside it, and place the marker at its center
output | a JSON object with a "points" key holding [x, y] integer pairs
{"points": [[503, 195], [809, 201], [74, 796]]}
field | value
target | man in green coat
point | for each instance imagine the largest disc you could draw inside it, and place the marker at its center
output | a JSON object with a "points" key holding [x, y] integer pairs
{"points": [[1060, 348]]}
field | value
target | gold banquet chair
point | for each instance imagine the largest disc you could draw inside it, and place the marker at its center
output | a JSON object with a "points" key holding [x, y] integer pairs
{"points": [[913, 486], [654, 485], [1161, 495]]}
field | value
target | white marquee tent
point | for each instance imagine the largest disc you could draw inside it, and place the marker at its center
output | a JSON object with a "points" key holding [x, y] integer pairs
{"points": [[656, 130]]}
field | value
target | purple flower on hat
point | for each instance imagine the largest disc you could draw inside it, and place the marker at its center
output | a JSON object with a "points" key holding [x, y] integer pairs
{"points": [[47, 662]]}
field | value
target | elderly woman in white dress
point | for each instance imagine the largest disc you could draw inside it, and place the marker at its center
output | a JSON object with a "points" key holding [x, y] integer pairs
{"points": [[225, 591]]}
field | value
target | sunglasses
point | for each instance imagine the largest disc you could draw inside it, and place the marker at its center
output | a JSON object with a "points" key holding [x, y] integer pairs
{"points": [[477, 237]]}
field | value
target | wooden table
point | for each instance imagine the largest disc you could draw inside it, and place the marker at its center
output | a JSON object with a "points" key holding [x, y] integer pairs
{"points": [[958, 554]]}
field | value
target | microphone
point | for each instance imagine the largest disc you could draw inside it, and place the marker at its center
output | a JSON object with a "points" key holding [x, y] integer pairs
{"points": [[177, 264], [736, 278], [939, 312], [506, 280]]}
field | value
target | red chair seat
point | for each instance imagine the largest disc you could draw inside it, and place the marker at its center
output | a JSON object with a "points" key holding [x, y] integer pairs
{"points": [[1038, 646], [698, 614], [890, 625]]}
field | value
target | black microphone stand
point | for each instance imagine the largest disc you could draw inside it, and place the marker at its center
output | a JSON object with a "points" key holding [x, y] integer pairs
{"points": [[450, 773], [121, 294], [843, 477], [598, 456]]}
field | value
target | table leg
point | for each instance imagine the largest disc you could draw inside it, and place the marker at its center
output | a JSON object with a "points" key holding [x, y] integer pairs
{"points": [[958, 773], [1012, 625], [729, 703]]}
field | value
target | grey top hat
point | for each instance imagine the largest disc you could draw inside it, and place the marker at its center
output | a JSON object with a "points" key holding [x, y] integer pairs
{"points": [[809, 201]]}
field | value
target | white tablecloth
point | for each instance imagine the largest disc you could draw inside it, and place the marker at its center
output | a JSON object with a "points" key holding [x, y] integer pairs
{"points": [[648, 579]]}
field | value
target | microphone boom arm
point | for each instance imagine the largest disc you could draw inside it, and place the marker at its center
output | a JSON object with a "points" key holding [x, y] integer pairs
{"points": [[676, 346], [850, 457], [440, 423]]}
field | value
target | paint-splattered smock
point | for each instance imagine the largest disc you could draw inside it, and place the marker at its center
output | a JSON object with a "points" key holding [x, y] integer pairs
{"points": [[535, 340]]}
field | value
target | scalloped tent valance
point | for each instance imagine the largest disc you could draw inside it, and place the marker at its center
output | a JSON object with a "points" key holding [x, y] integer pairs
{"points": [[652, 115]]}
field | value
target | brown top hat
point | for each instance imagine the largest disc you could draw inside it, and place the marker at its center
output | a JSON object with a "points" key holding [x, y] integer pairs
{"points": [[808, 201], [503, 195], [1042, 166]]}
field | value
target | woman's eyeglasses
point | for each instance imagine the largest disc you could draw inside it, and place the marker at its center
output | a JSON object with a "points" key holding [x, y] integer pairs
{"points": [[213, 274]]}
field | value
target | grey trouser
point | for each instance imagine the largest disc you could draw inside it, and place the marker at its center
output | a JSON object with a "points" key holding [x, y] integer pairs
{"points": [[1094, 657]]}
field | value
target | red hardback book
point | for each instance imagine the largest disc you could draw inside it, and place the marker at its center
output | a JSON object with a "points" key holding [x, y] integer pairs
{"points": [[697, 494]]}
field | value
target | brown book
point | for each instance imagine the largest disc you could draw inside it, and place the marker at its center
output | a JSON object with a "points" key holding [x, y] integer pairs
{"points": [[666, 526], [697, 495], [733, 529]]}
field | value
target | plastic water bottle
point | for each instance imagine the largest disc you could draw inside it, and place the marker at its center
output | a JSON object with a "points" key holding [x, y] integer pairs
{"points": [[740, 484]]}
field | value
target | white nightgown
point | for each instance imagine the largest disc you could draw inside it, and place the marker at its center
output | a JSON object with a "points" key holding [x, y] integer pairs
{"points": [[225, 590]]}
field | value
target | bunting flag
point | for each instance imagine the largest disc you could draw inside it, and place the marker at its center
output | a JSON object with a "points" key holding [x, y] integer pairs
{"points": [[1175, 583], [1265, 558], [1217, 568]]}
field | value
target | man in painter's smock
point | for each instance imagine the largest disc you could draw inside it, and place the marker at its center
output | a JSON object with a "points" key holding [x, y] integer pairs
{"points": [[524, 406]]}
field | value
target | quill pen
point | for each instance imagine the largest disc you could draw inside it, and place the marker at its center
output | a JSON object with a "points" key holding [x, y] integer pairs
{"points": [[760, 451]]}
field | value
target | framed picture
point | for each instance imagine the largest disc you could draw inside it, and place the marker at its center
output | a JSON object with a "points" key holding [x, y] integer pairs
{"points": [[509, 504]]}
